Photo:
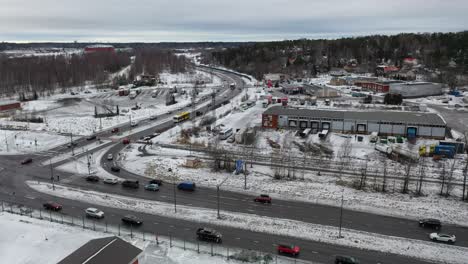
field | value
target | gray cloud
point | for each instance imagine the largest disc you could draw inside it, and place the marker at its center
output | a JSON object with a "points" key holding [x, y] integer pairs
{"points": [[202, 20]]}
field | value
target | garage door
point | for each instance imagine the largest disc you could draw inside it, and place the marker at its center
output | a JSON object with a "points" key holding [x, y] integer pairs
{"points": [[325, 126], [362, 128]]}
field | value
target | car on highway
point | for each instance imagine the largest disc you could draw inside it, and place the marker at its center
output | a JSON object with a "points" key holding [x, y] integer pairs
{"points": [[263, 198], [72, 144], [26, 161], [439, 237], [186, 186], [111, 181], [152, 187], [346, 260], [115, 168], [126, 141], [153, 117], [156, 181], [208, 234], [131, 184], [92, 178], [430, 223], [134, 123], [131, 220], [115, 130], [288, 249], [94, 213], [92, 137], [110, 156], [53, 206]]}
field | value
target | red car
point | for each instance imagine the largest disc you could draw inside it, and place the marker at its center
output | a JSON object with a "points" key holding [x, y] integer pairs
{"points": [[52, 206], [126, 141], [115, 130], [288, 249], [263, 198]]}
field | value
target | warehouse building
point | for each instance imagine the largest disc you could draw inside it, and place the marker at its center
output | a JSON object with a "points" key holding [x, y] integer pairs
{"points": [[410, 124], [377, 86], [416, 89]]}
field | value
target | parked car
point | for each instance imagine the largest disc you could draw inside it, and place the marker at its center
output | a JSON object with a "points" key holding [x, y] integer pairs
{"points": [[231, 140], [430, 223], [131, 184], [152, 187], [115, 168], [288, 249], [186, 186], [94, 213], [209, 234], [153, 117], [443, 237], [132, 220], [134, 123], [26, 161], [53, 206], [110, 156], [263, 198], [87, 92], [126, 141], [115, 130], [92, 178], [92, 137], [111, 181], [346, 260], [156, 181]]}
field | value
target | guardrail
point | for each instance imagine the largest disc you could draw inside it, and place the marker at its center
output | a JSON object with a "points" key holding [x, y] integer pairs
{"points": [[167, 239]]}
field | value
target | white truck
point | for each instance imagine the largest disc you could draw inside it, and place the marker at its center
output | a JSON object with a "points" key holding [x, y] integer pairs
{"points": [[132, 95]]}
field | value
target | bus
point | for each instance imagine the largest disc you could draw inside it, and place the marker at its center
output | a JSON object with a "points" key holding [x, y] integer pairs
{"points": [[225, 133], [181, 117]]}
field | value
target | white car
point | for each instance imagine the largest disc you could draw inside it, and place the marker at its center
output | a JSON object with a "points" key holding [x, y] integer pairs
{"points": [[443, 237], [95, 213], [110, 156], [111, 181]]}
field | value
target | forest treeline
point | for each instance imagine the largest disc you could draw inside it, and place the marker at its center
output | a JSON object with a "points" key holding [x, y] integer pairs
{"points": [[434, 51], [45, 75]]}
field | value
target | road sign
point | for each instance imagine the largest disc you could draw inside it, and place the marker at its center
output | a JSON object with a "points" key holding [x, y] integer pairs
{"points": [[239, 166]]}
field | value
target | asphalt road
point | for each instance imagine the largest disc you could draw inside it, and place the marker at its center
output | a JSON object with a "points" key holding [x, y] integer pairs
{"points": [[12, 188]]}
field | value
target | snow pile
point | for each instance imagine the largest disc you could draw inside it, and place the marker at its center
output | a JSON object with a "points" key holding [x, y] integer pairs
{"points": [[285, 227], [21, 142]]}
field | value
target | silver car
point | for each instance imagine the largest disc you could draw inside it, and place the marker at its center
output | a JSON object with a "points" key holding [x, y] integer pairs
{"points": [[95, 213], [443, 237]]}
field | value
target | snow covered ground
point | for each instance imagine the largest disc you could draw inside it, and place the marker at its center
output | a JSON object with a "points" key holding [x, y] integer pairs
{"points": [[27, 239], [426, 250], [14, 142]]}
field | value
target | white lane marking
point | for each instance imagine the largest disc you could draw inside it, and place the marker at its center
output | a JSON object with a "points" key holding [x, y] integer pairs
{"points": [[30, 197]]}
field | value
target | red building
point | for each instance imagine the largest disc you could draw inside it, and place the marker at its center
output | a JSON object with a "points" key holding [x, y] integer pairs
{"points": [[378, 87], [9, 106], [99, 48]]}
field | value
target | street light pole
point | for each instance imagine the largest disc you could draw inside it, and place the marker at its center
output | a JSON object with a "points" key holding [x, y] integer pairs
{"points": [[341, 214], [52, 174], [175, 198], [217, 194]]}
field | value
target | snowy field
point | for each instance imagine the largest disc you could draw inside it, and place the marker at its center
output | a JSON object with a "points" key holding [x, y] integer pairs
{"points": [[426, 250], [27, 239], [14, 142]]}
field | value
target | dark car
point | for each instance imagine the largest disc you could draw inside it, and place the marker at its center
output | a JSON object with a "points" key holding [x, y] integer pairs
{"points": [[186, 186], [156, 181], [132, 220], [288, 249], [26, 161], [53, 206], [92, 178], [430, 223], [131, 184], [263, 198], [346, 260], [115, 168], [209, 234], [115, 130], [92, 137], [72, 144]]}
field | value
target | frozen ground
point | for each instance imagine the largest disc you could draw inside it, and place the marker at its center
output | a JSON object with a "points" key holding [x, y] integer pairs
{"points": [[21, 142], [426, 250], [27, 239]]}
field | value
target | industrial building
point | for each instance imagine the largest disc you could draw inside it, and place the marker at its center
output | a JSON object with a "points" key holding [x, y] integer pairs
{"points": [[99, 48], [410, 124], [9, 106], [416, 89], [377, 86]]}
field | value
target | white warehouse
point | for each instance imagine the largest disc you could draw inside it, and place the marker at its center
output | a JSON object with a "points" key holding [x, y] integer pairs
{"points": [[416, 89], [414, 124]]}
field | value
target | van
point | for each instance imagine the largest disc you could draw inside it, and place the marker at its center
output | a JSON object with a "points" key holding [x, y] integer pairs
{"points": [[134, 123], [131, 184], [186, 186]]}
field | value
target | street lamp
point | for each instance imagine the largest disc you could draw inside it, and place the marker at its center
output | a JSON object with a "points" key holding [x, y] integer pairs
{"points": [[217, 195], [52, 174], [341, 214]]}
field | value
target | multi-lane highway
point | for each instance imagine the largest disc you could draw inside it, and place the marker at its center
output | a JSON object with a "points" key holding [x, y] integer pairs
{"points": [[13, 188]]}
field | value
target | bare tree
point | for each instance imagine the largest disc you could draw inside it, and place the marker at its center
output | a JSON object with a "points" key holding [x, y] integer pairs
{"points": [[442, 177], [384, 180], [465, 170], [362, 182], [422, 167], [407, 177], [449, 185]]}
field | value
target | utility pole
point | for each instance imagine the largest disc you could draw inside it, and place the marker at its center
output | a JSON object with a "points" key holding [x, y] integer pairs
{"points": [[175, 197], [52, 174], [71, 144], [341, 214], [89, 164], [217, 194], [6, 142]]}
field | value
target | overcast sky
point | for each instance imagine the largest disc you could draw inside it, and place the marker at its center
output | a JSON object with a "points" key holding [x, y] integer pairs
{"points": [[221, 20]]}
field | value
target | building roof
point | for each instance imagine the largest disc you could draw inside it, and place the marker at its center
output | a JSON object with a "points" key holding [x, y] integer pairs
{"points": [[103, 250], [384, 116]]}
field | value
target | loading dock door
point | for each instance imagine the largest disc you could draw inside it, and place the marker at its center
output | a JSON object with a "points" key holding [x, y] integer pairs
{"points": [[325, 125], [361, 128], [303, 124], [292, 123], [315, 125], [411, 132]]}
